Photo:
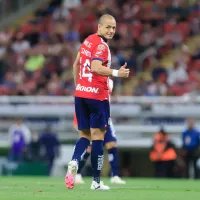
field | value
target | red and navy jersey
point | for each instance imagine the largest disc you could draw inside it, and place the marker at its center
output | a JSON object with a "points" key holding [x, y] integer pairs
{"points": [[89, 84]]}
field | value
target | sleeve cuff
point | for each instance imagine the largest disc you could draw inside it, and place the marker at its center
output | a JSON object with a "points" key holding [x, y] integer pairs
{"points": [[97, 59]]}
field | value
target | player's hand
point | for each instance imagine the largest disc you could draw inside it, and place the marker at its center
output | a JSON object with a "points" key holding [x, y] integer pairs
{"points": [[123, 72]]}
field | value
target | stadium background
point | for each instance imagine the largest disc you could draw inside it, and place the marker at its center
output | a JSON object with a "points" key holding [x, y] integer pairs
{"points": [[160, 41]]}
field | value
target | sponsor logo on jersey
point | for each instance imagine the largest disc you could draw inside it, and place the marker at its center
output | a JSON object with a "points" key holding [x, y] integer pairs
{"points": [[87, 89], [86, 52], [98, 53], [101, 47], [87, 43]]}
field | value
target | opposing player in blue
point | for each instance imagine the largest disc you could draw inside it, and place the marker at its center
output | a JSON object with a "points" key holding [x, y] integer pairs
{"points": [[110, 142]]}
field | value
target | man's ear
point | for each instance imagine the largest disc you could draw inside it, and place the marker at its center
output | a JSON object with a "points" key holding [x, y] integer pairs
{"points": [[99, 26]]}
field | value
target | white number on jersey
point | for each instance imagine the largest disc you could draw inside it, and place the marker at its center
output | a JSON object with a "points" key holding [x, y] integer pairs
{"points": [[88, 74]]}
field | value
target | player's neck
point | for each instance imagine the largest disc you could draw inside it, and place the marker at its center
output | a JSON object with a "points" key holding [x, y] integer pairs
{"points": [[105, 40]]}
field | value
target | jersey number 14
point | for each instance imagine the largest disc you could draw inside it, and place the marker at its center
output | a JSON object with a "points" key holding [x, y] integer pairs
{"points": [[86, 70]]}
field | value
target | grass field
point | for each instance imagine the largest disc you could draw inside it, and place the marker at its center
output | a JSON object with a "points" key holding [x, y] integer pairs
{"points": [[41, 188]]}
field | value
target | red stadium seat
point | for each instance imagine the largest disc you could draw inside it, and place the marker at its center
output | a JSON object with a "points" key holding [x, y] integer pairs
{"points": [[169, 27], [184, 29], [196, 65]]}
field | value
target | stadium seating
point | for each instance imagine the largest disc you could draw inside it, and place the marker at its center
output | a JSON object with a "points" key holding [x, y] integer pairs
{"points": [[39, 53]]}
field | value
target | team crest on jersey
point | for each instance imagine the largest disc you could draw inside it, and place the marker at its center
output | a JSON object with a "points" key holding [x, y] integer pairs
{"points": [[101, 47]]}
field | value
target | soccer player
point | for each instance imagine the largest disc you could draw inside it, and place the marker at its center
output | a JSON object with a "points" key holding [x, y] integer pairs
{"points": [[91, 70], [110, 142]]}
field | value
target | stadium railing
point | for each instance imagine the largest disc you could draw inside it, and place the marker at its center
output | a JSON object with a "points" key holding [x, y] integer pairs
{"points": [[136, 118], [118, 99]]}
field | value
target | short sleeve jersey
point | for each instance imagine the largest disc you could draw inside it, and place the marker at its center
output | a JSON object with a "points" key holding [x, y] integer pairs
{"points": [[89, 84]]}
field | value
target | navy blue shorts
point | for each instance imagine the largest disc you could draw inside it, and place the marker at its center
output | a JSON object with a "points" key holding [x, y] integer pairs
{"points": [[110, 134], [92, 113]]}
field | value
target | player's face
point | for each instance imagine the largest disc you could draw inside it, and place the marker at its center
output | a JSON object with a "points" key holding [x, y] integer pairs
{"points": [[107, 29]]}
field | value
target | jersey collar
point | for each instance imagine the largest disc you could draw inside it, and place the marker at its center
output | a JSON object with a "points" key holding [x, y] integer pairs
{"points": [[105, 40]]}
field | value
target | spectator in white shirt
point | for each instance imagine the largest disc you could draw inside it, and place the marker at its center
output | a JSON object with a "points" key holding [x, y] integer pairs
{"points": [[177, 74], [20, 45]]}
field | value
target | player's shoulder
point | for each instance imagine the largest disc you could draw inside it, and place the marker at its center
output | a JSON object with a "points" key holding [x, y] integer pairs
{"points": [[90, 41], [97, 40], [94, 38]]}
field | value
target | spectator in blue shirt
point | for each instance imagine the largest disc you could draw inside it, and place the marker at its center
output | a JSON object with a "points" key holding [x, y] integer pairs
{"points": [[191, 143]]}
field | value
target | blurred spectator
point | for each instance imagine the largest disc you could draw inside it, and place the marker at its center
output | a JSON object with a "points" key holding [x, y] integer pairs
{"points": [[163, 155], [196, 55], [20, 45], [33, 153], [191, 144], [50, 144], [141, 87], [34, 63], [158, 71], [71, 3], [156, 88], [2, 69], [19, 136], [61, 13], [48, 42], [177, 74]]}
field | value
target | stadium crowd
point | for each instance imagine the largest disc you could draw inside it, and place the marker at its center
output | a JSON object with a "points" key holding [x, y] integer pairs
{"points": [[36, 57]]}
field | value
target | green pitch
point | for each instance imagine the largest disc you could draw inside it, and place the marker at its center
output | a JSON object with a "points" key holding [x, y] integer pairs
{"points": [[41, 188]]}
